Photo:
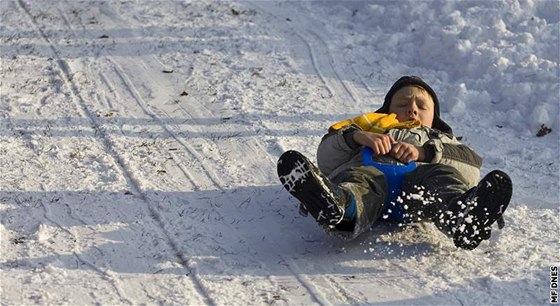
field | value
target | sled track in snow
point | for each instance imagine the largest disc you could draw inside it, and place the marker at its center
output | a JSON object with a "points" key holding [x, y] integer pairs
{"points": [[329, 59], [314, 294], [109, 146], [142, 104], [313, 58], [66, 75], [47, 214], [207, 170], [321, 58], [321, 61], [366, 86]]}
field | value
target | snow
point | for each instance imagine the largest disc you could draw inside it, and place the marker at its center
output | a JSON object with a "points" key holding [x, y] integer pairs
{"points": [[139, 139]]}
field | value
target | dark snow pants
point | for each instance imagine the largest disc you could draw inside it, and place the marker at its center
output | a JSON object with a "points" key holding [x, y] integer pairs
{"points": [[426, 193]]}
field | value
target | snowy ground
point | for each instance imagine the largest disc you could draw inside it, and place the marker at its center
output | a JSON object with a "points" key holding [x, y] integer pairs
{"points": [[139, 139]]}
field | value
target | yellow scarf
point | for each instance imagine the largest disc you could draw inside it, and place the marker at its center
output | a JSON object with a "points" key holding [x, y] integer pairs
{"points": [[376, 122]]}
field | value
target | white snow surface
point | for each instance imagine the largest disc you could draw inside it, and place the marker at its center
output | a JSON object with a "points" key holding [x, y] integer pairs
{"points": [[139, 140]]}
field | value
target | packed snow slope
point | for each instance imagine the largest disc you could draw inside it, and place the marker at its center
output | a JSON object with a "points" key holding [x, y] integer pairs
{"points": [[139, 139]]}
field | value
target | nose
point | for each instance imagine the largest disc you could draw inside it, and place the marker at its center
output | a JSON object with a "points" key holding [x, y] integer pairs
{"points": [[412, 109]]}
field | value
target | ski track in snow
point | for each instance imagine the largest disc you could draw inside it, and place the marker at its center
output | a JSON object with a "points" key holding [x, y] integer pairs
{"points": [[67, 76], [320, 57], [209, 173], [147, 161], [118, 159]]}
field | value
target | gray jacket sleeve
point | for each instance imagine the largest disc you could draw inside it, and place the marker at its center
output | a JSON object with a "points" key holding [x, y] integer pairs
{"points": [[337, 148], [449, 151]]}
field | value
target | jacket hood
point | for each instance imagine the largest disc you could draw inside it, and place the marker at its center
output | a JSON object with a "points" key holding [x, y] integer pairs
{"points": [[438, 123]]}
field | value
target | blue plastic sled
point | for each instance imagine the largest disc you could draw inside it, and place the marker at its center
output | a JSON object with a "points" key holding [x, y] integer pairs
{"points": [[394, 175]]}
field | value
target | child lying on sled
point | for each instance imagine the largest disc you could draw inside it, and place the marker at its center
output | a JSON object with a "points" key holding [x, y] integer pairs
{"points": [[348, 197]]}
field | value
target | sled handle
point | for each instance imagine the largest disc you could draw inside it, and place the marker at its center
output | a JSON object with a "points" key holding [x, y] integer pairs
{"points": [[367, 156]]}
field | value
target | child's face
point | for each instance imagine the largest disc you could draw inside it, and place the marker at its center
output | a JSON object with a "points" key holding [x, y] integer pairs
{"points": [[413, 103]]}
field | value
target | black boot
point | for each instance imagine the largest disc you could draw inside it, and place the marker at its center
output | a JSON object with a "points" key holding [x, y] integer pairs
{"points": [[471, 215], [317, 194]]}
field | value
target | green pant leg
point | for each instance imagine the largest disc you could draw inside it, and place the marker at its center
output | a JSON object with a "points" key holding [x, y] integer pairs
{"points": [[428, 190], [369, 188]]}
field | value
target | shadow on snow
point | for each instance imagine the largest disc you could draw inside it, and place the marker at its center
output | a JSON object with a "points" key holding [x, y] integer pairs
{"points": [[244, 230]]}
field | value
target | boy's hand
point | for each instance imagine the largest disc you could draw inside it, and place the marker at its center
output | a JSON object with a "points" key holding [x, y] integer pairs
{"points": [[405, 152], [379, 143]]}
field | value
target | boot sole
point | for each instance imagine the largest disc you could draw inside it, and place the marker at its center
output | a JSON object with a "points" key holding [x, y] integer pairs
{"points": [[490, 202], [306, 183]]}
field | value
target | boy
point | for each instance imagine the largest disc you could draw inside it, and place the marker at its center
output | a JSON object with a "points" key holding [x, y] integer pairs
{"points": [[347, 198]]}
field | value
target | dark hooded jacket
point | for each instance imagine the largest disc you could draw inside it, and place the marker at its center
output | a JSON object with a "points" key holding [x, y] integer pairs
{"points": [[338, 151]]}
